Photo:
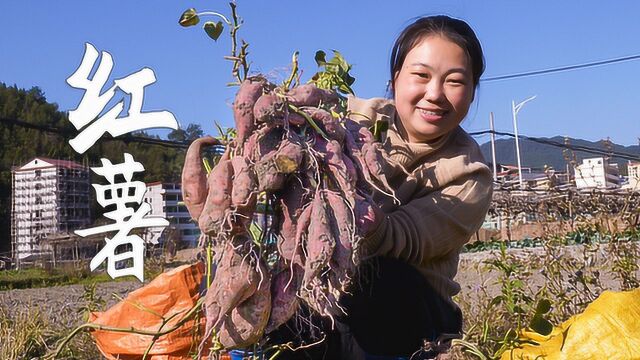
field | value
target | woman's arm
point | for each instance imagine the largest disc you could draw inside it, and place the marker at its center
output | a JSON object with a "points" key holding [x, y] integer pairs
{"points": [[434, 225]]}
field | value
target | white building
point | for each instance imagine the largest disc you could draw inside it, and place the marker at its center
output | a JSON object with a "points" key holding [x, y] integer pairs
{"points": [[164, 199], [48, 196], [633, 169], [597, 173]]}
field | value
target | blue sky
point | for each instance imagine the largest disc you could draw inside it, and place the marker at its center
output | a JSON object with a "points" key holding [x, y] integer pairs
{"points": [[42, 42]]}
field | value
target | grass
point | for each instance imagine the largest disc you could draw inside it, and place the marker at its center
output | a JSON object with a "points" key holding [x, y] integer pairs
{"points": [[78, 274]]}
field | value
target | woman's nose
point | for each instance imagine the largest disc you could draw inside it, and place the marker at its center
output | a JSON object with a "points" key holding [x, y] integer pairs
{"points": [[434, 91]]}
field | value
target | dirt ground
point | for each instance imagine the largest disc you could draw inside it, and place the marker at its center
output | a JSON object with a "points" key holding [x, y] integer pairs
{"points": [[62, 302]]}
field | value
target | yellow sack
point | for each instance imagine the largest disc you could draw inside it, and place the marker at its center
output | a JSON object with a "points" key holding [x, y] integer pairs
{"points": [[609, 328]]}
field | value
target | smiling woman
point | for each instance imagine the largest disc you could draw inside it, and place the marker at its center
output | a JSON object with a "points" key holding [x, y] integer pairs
{"points": [[444, 190]]}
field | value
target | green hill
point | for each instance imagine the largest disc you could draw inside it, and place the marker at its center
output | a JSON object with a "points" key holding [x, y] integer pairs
{"points": [[537, 155]]}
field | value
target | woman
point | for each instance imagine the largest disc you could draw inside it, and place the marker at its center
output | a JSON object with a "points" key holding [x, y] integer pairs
{"points": [[406, 296]]}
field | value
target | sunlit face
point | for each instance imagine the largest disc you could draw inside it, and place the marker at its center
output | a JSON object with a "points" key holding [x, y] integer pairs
{"points": [[434, 89]]}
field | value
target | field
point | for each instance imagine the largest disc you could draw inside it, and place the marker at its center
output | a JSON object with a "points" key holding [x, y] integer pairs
{"points": [[503, 282]]}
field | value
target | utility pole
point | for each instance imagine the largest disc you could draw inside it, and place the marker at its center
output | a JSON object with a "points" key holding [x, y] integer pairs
{"points": [[514, 111], [493, 148]]}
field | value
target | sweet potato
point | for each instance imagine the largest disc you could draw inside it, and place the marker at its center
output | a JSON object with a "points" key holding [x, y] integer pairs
{"points": [[244, 188], [236, 279], [365, 215], [216, 208], [250, 90], [302, 225], [320, 241], [273, 168], [292, 205], [269, 109], [343, 226], [194, 177], [343, 173], [330, 124], [247, 322], [310, 95], [284, 301], [289, 156]]}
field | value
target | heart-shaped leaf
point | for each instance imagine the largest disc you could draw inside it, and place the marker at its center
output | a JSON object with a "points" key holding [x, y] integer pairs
{"points": [[189, 18], [321, 58], [541, 325], [544, 306], [213, 29]]}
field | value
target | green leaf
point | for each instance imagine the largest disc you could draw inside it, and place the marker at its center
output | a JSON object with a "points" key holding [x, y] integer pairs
{"points": [[213, 29], [544, 306], [189, 18], [541, 325], [321, 58]]}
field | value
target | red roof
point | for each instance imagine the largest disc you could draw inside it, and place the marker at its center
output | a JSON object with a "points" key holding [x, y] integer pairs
{"points": [[60, 163]]}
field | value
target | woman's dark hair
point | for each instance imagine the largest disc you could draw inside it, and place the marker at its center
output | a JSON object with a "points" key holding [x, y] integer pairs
{"points": [[455, 30]]}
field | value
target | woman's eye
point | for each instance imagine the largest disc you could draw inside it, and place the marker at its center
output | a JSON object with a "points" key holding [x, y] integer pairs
{"points": [[422, 75], [456, 81]]}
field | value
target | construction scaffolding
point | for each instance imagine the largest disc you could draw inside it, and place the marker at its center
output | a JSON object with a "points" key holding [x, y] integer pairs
{"points": [[48, 196]]}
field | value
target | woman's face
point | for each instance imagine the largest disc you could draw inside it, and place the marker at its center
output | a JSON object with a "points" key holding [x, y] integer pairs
{"points": [[434, 88]]}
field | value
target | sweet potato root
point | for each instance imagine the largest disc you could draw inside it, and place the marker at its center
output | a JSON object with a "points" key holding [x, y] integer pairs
{"points": [[292, 205], [310, 95], [194, 177], [250, 90], [247, 322], [284, 301], [343, 226], [320, 241], [216, 209], [236, 279]]}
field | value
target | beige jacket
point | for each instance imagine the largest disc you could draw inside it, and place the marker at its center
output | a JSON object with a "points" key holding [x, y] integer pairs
{"points": [[443, 202]]}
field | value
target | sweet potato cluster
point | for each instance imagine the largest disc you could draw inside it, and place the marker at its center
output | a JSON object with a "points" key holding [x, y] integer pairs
{"points": [[317, 171]]}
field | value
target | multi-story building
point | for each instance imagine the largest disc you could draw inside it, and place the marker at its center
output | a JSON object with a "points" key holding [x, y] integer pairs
{"points": [[633, 169], [48, 196], [165, 199], [597, 173]]}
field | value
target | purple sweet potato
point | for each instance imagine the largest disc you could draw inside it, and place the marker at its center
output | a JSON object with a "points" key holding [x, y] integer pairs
{"points": [[218, 203], [330, 124], [292, 205], [302, 225], [247, 322], [310, 95], [269, 109], [343, 173], [284, 301], [273, 168], [236, 279], [320, 241], [250, 90], [194, 177], [343, 226], [244, 183], [289, 156]]}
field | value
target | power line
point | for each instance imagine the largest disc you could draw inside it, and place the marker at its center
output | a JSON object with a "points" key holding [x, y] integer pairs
{"points": [[560, 69], [218, 149], [126, 138], [582, 148]]}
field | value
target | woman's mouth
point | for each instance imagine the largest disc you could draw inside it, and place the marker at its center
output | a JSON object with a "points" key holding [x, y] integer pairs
{"points": [[432, 115]]}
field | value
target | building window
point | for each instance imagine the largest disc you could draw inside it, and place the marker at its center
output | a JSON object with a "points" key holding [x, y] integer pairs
{"points": [[38, 173]]}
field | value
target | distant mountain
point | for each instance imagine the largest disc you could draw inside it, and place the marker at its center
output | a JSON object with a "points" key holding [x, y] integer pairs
{"points": [[537, 155]]}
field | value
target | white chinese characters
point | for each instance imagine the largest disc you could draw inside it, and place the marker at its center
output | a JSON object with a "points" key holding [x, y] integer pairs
{"points": [[123, 252], [126, 218], [93, 102]]}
